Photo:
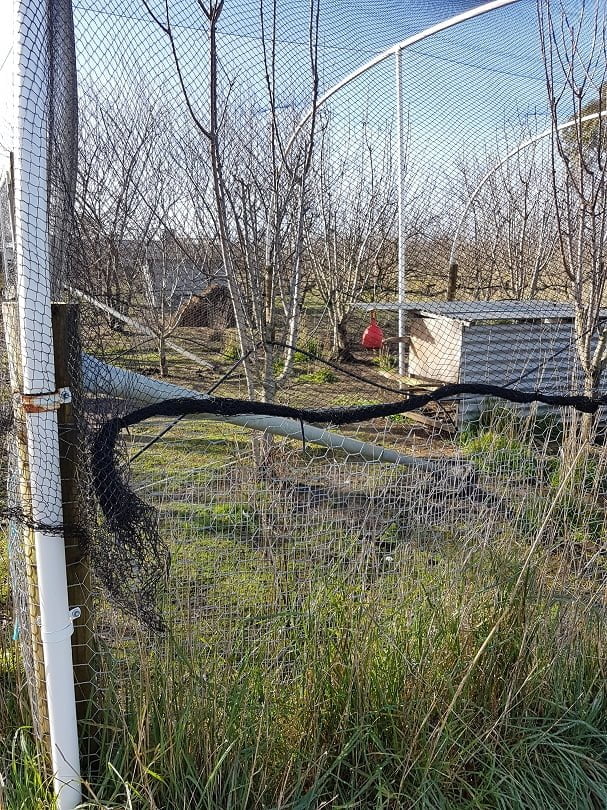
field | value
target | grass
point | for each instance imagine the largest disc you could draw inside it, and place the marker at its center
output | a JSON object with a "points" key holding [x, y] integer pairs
{"points": [[578, 520], [349, 703], [318, 377], [311, 348], [231, 351], [386, 360], [499, 454], [464, 673]]}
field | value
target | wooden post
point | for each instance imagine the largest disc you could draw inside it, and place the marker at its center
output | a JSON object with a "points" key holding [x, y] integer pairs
{"points": [[452, 284], [68, 375]]}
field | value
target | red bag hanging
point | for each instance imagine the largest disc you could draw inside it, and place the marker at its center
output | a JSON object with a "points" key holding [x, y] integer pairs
{"points": [[373, 336]]}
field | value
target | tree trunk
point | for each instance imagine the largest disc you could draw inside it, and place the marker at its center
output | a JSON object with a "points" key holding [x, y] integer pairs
{"points": [[162, 356], [580, 427], [341, 343], [592, 381]]}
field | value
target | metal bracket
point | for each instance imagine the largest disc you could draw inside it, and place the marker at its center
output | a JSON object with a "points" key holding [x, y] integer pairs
{"points": [[55, 636], [39, 403]]}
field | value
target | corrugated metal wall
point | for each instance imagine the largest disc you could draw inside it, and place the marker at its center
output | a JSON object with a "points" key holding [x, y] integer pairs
{"points": [[529, 356]]}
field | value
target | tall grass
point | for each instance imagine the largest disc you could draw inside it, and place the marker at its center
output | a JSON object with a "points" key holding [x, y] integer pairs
{"points": [[469, 675], [374, 698]]}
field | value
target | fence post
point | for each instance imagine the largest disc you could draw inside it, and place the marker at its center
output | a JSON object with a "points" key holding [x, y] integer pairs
{"points": [[452, 282], [28, 626], [68, 374]]}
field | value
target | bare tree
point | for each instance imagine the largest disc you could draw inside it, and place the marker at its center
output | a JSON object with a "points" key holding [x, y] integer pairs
{"points": [[574, 49], [259, 195], [170, 280], [135, 216], [354, 211], [116, 196], [512, 227]]}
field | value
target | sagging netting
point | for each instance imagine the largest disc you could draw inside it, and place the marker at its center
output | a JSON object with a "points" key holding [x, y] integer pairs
{"points": [[132, 560]]}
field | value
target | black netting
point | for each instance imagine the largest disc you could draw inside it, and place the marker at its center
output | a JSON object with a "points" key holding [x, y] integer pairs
{"points": [[131, 558], [376, 233]]}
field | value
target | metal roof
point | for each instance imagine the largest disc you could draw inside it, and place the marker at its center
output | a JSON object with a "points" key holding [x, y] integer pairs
{"points": [[481, 311]]}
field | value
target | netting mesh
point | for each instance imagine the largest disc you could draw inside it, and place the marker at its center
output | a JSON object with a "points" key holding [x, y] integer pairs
{"points": [[213, 218]]}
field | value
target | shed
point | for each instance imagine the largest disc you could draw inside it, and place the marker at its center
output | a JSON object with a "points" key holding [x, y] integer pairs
{"points": [[523, 344]]}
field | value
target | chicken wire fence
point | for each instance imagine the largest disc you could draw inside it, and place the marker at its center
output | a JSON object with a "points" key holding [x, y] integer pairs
{"points": [[220, 195]]}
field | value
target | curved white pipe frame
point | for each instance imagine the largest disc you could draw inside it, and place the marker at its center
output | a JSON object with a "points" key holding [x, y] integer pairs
{"points": [[394, 49], [512, 153]]}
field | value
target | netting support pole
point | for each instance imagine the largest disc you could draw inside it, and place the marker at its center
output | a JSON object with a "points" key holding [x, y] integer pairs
{"points": [[402, 243], [39, 397], [68, 374]]}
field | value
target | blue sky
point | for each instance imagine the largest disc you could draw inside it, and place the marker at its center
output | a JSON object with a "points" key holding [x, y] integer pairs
{"points": [[461, 87], [351, 32], [483, 65], [6, 66]]}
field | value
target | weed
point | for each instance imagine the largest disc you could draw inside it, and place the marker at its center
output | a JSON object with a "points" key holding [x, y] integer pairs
{"points": [[385, 359], [231, 350], [310, 346], [322, 375], [497, 454], [587, 477], [572, 521]]}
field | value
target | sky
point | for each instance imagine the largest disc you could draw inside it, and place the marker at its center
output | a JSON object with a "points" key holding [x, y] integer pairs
{"points": [[483, 65], [462, 89], [6, 67]]}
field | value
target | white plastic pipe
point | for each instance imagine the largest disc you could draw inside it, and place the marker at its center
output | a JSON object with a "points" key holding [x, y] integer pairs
{"points": [[31, 71], [512, 153], [402, 243], [101, 378]]}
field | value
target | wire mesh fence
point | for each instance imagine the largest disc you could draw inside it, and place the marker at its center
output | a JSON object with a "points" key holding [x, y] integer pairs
{"points": [[220, 194], [250, 539]]}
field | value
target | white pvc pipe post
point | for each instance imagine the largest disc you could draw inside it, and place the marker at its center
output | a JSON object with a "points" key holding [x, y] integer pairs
{"points": [[31, 99], [402, 238]]}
